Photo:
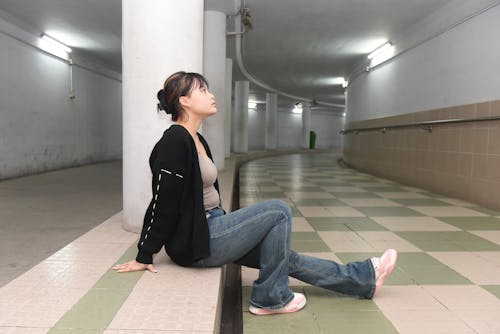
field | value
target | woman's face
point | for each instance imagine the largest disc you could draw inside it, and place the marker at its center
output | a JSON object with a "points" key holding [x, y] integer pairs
{"points": [[200, 102]]}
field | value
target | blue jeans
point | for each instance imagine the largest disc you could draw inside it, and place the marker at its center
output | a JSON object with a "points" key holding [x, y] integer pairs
{"points": [[258, 236]]}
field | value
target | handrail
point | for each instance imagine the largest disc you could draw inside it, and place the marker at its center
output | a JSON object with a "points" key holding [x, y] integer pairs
{"points": [[427, 125]]}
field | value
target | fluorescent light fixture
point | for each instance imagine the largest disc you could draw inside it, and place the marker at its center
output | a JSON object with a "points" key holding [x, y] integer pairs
{"points": [[297, 109], [379, 50], [331, 81], [380, 55], [344, 84], [343, 115], [337, 81], [56, 43], [252, 105]]}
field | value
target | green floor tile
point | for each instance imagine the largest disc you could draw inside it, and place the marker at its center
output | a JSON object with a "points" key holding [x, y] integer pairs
{"points": [[421, 202], [308, 242], [295, 211], [494, 289], [364, 194], [424, 269], [449, 241], [433, 195], [305, 236], [344, 224], [291, 188], [260, 182], [486, 211], [473, 223], [337, 313], [303, 321], [377, 189], [331, 183], [271, 194], [318, 202], [75, 331], [114, 280], [290, 179], [397, 211], [95, 310], [358, 322], [319, 178], [300, 322], [321, 298]]}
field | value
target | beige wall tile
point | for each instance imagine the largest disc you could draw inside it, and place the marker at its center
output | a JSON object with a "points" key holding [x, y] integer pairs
{"points": [[465, 111], [493, 192], [479, 166], [483, 109], [480, 140], [443, 113], [465, 164], [494, 140], [461, 160], [458, 186], [466, 139], [451, 163], [493, 166], [479, 192], [454, 139], [495, 108]]}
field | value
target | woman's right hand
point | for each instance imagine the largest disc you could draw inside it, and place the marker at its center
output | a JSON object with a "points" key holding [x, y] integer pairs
{"points": [[134, 266]]}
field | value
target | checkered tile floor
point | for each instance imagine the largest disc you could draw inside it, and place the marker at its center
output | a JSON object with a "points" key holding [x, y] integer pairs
{"points": [[448, 274]]}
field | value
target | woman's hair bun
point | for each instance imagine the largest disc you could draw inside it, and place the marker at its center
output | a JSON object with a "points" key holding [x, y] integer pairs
{"points": [[163, 101]]}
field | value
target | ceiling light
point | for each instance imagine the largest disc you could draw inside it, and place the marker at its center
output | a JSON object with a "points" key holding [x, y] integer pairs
{"points": [[343, 115], [331, 81], [380, 50], [297, 109], [337, 81], [252, 105], [56, 43]]}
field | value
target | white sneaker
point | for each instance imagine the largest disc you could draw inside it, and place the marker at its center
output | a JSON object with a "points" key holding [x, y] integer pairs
{"points": [[296, 304], [383, 267]]}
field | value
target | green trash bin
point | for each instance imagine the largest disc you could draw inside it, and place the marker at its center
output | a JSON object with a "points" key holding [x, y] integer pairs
{"points": [[312, 140]]}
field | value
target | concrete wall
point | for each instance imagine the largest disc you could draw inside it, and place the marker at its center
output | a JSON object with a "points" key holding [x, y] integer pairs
{"points": [[41, 128], [289, 130], [458, 67], [327, 127], [257, 128]]}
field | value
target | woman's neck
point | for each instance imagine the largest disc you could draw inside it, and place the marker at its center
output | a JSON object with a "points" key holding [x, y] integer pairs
{"points": [[191, 125]]}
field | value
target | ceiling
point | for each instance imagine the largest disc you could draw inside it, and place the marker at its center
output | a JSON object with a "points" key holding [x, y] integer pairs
{"points": [[295, 46]]}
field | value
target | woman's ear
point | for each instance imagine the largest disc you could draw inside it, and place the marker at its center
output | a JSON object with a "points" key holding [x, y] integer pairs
{"points": [[184, 101]]}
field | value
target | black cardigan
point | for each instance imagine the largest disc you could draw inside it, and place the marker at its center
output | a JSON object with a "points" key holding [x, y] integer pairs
{"points": [[175, 218]]}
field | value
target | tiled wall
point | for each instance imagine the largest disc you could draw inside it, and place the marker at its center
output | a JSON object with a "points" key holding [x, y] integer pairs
{"points": [[459, 160]]}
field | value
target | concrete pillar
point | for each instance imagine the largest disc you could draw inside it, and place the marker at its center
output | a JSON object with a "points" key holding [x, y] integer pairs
{"points": [[228, 106], [240, 130], [214, 70], [271, 121], [306, 124], [153, 47]]}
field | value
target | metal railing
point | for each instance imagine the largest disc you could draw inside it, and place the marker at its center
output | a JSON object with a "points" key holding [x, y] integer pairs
{"points": [[427, 125]]}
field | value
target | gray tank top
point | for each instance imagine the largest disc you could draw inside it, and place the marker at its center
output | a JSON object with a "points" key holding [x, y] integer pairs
{"points": [[208, 175]]}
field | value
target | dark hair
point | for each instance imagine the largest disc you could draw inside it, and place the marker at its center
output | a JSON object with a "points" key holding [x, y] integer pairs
{"points": [[178, 84]]}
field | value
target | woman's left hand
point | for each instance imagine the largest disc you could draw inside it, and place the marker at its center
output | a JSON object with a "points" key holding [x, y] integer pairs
{"points": [[134, 266]]}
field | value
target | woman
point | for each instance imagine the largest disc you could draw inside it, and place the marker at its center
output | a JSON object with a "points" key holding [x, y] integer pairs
{"points": [[185, 216]]}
